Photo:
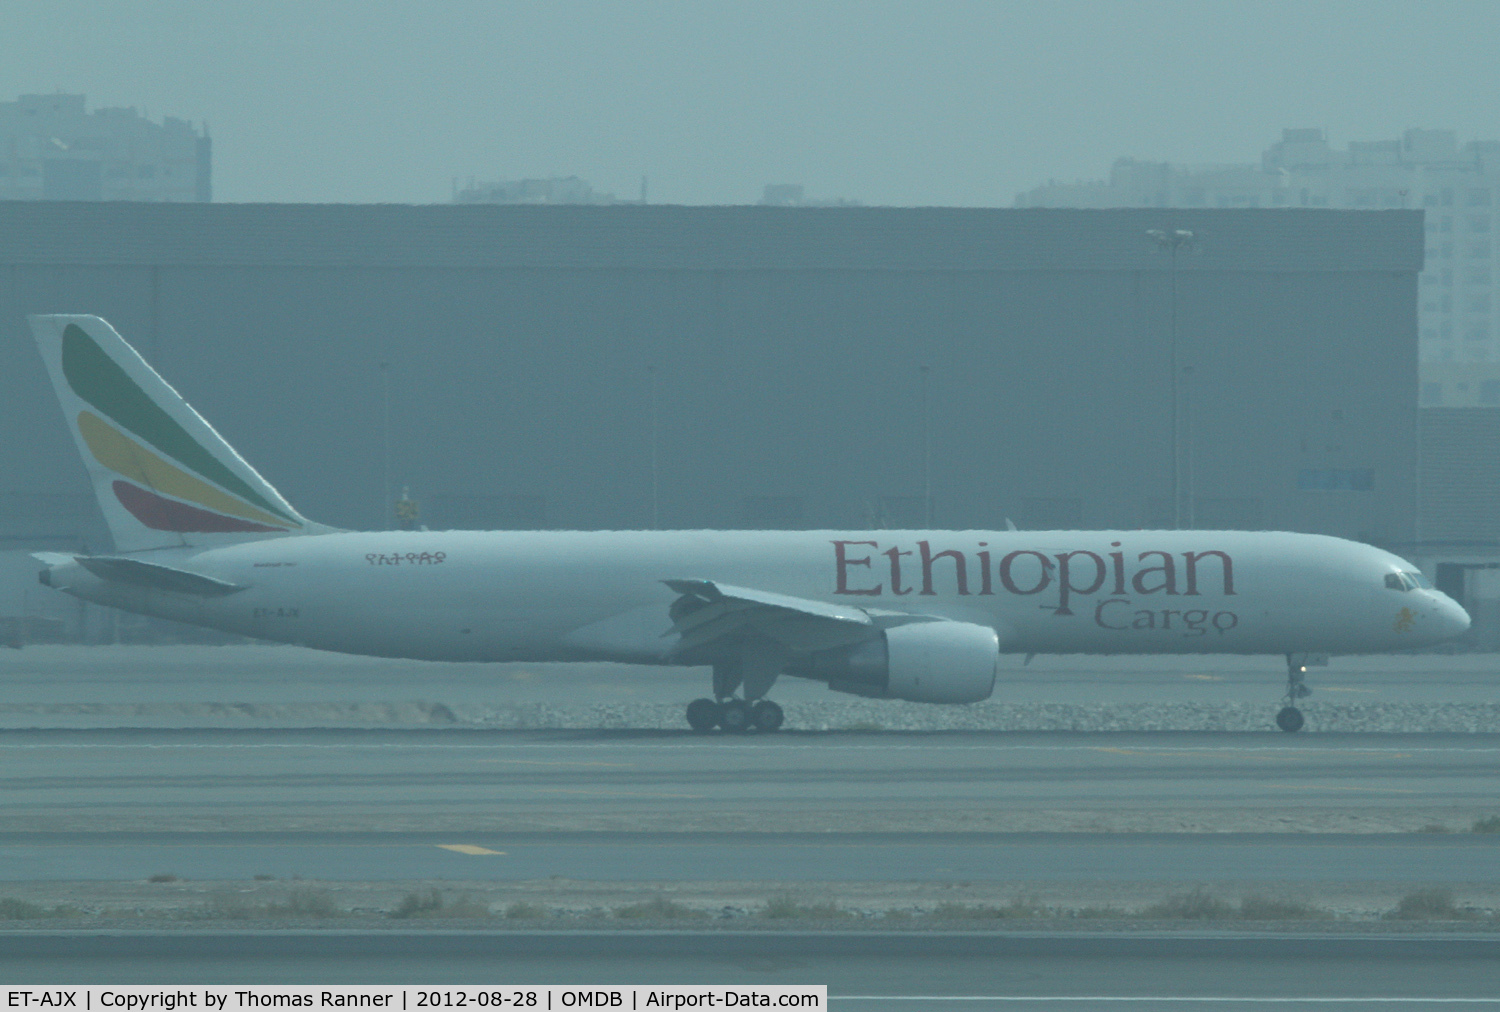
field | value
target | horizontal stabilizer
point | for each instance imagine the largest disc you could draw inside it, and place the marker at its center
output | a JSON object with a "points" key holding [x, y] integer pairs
{"points": [[153, 576]]}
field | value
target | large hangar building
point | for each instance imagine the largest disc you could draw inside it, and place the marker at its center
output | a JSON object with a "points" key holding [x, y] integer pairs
{"points": [[638, 366]]}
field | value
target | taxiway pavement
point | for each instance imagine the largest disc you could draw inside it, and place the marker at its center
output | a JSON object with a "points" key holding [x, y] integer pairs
{"points": [[889, 971], [1411, 859]]}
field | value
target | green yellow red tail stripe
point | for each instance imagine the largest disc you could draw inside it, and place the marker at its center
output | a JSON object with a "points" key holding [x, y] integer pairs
{"points": [[104, 385]]}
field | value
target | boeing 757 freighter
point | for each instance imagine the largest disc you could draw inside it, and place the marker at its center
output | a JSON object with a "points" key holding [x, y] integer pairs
{"points": [[200, 537]]}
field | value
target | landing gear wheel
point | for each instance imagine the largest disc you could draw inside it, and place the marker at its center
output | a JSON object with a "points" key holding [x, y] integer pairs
{"points": [[1289, 719], [703, 715], [766, 716], [734, 716]]}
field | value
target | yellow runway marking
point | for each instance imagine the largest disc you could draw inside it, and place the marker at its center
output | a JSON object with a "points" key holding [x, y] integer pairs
{"points": [[468, 848], [614, 794], [1338, 688], [543, 762]]}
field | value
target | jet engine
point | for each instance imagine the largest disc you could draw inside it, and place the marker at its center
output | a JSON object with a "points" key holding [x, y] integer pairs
{"points": [[924, 662]]}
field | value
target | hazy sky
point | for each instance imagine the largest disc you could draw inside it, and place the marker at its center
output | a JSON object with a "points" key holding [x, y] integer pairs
{"points": [[888, 103]]}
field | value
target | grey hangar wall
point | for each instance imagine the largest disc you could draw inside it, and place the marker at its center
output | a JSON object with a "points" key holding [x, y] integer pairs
{"points": [[781, 347]]}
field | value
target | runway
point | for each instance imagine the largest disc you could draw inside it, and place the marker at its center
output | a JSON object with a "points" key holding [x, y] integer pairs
{"points": [[241, 772], [863, 970], [708, 857], [518, 781]]}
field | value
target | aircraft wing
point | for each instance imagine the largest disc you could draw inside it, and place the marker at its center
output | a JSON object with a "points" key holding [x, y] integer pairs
{"points": [[707, 611]]}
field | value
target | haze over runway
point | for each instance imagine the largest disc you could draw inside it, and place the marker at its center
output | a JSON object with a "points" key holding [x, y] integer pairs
{"points": [[326, 780], [113, 782]]}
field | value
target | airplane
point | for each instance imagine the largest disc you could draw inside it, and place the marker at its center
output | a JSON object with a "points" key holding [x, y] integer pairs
{"points": [[200, 537]]}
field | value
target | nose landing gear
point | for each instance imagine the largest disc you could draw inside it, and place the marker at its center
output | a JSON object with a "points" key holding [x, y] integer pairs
{"points": [[1289, 718]]}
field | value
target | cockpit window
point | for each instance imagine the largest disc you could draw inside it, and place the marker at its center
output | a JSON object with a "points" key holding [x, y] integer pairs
{"points": [[1406, 581]]}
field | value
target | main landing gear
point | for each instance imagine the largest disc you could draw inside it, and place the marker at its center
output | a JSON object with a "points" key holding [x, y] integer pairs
{"points": [[736, 716], [755, 671], [1289, 718]]}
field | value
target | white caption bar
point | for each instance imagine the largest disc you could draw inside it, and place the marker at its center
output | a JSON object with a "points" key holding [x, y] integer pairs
{"points": [[543, 998]]}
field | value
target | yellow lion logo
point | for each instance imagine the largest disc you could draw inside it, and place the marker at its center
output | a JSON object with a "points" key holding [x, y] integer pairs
{"points": [[1405, 619]]}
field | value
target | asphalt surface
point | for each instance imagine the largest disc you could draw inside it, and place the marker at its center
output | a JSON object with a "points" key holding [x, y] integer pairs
{"points": [[890, 971], [647, 781], [708, 857], [137, 791]]}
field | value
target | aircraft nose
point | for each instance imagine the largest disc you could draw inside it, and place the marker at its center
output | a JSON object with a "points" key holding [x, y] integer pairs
{"points": [[1452, 617]]}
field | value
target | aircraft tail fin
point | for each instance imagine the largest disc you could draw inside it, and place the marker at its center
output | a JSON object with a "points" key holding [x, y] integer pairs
{"points": [[163, 477]]}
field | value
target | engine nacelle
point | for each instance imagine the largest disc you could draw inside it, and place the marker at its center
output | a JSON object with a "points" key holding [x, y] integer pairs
{"points": [[924, 662]]}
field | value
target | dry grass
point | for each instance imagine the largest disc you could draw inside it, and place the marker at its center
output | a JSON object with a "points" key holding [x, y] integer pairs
{"points": [[1099, 913], [1434, 904], [224, 907], [433, 904], [523, 911], [303, 902], [785, 907], [1020, 908], [1196, 905], [1268, 908], [21, 910], [658, 908]]}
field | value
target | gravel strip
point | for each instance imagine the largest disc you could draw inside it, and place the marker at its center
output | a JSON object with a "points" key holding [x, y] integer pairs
{"points": [[854, 715], [996, 716]]}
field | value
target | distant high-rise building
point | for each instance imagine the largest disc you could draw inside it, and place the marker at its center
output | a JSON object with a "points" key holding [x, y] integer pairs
{"points": [[52, 148], [557, 190], [792, 195], [1459, 187]]}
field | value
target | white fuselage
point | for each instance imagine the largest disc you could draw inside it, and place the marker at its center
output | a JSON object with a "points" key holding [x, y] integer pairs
{"points": [[570, 595]]}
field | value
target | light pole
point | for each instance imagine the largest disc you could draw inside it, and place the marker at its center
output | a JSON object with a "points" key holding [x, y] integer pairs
{"points": [[1172, 240], [385, 439], [655, 429], [926, 457]]}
